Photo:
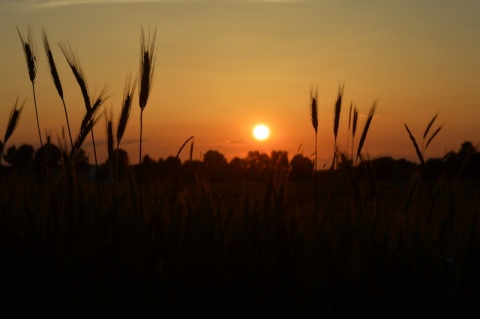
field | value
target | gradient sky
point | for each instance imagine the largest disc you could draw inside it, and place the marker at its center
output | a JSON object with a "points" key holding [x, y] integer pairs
{"points": [[223, 66]]}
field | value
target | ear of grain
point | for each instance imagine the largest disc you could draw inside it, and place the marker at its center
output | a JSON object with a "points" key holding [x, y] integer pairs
{"points": [[99, 98], [417, 149], [88, 122], [52, 66], [183, 145], [365, 128], [13, 120], [191, 152], [314, 108], [109, 131], [91, 112], [354, 121], [147, 66], [128, 92], [354, 127], [433, 135], [429, 126], [29, 51], [350, 116], [77, 70], [338, 108], [56, 80]]}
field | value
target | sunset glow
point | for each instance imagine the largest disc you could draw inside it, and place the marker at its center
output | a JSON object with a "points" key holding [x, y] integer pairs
{"points": [[224, 62]]}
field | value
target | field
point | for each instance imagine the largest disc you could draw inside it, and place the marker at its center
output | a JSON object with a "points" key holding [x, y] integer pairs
{"points": [[258, 250], [344, 242]]}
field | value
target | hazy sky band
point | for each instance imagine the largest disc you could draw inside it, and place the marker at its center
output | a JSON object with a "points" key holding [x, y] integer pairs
{"points": [[62, 3]]}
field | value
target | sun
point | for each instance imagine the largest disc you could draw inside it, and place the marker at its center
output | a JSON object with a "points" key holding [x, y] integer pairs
{"points": [[261, 132]]}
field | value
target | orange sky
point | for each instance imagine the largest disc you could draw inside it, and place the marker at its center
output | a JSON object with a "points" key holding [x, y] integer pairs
{"points": [[223, 66]]}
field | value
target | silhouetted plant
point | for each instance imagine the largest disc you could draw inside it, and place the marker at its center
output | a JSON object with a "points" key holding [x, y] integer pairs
{"points": [[11, 125], [30, 56], [147, 68], [56, 81]]}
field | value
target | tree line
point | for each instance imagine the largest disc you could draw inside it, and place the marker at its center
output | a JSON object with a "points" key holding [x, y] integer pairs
{"points": [[256, 166]]}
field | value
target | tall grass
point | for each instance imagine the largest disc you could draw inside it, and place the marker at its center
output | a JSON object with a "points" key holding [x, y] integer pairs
{"points": [[91, 105], [314, 119], [337, 111], [365, 129], [56, 81], [11, 125], [354, 127], [147, 69], [31, 58], [128, 92]]}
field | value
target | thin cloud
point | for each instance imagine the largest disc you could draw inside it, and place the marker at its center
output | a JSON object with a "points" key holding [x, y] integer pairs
{"points": [[237, 143], [63, 3], [227, 143]]}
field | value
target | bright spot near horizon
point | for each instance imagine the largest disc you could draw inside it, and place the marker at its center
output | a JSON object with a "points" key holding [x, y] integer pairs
{"points": [[261, 132]]}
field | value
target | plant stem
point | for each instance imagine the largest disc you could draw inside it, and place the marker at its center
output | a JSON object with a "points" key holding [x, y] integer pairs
{"points": [[36, 113]]}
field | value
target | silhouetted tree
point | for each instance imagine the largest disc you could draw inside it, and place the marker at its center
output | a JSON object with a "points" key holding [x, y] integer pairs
{"points": [[48, 157], [149, 168], [258, 164], [81, 159], [279, 161], [192, 170], [21, 157], [236, 169], [104, 173], [469, 161], [171, 167], [387, 168], [301, 168], [215, 165]]}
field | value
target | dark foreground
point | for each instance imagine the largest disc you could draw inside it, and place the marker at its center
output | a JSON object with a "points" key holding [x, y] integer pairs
{"points": [[384, 250]]}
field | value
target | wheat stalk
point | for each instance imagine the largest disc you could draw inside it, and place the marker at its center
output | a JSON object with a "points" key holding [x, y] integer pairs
{"points": [[336, 121], [88, 122], [349, 126], [109, 132], [337, 110], [427, 129], [31, 59], [11, 125], [365, 128], [314, 116], [56, 80], [354, 126], [128, 92], [433, 136], [77, 70], [13, 120], [417, 149], [127, 99], [147, 67], [183, 145]]}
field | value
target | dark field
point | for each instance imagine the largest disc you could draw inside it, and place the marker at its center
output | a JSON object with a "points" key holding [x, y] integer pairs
{"points": [[259, 249]]}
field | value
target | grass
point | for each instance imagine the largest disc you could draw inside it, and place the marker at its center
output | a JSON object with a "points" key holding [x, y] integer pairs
{"points": [[11, 125], [147, 69], [356, 245], [31, 59]]}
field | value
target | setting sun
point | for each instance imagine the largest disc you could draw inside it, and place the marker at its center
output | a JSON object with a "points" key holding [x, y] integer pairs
{"points": [[261, 132]]}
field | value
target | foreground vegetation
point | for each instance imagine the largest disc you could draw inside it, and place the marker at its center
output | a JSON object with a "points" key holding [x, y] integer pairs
{"points": [[387, 249], [345, 242]]}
